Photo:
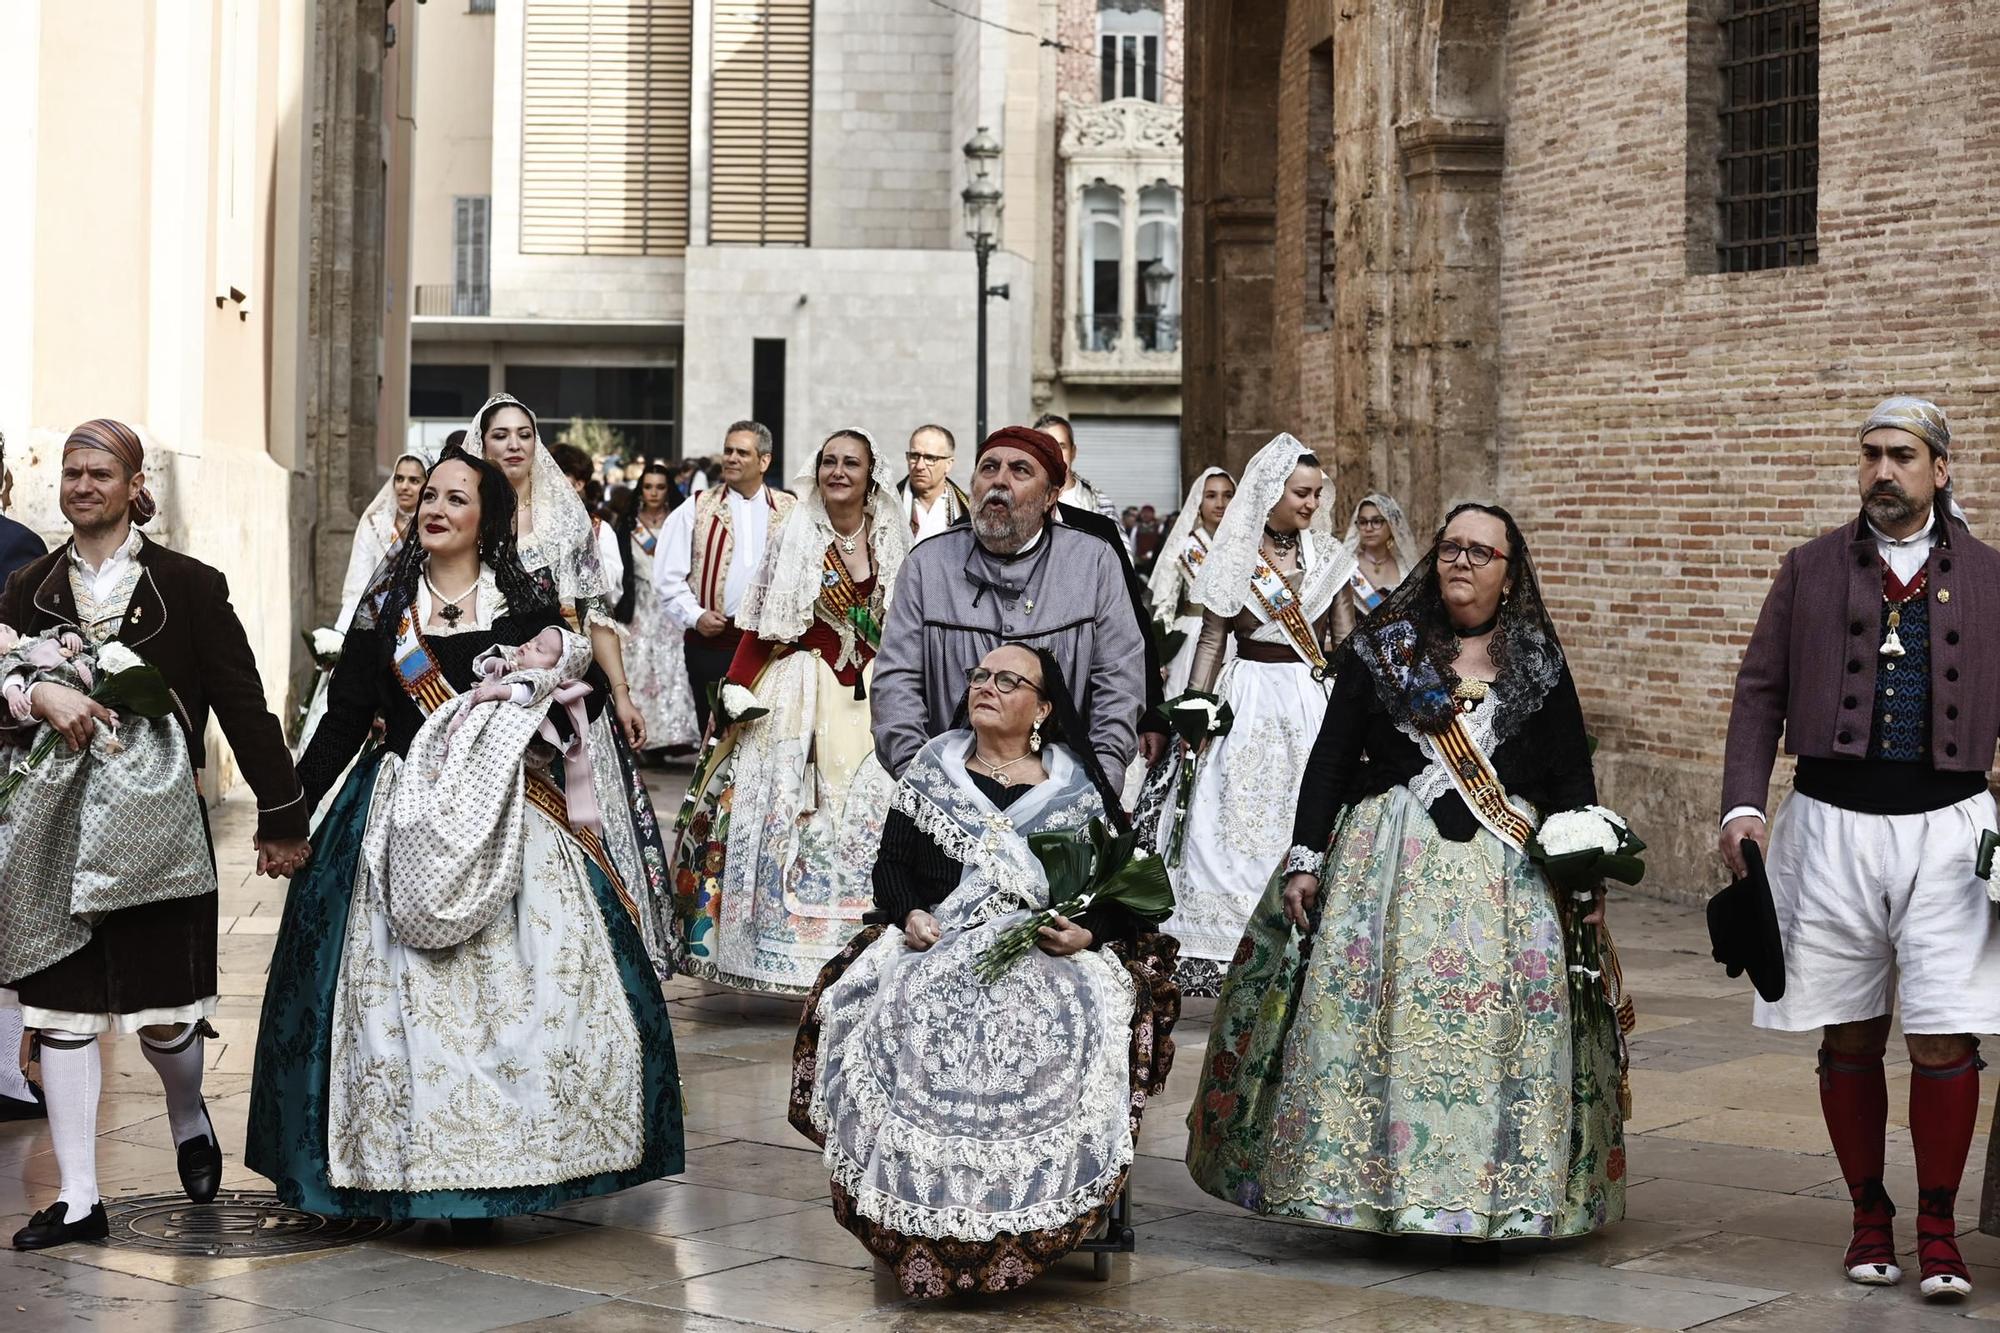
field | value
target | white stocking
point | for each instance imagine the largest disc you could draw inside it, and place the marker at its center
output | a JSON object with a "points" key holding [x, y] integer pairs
{"points": [[13, 1083], [71, 1078], [177, 1061]]}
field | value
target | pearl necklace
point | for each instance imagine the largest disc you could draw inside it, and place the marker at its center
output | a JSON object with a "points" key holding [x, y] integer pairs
{"points": [[448, 607], [848, 541]]}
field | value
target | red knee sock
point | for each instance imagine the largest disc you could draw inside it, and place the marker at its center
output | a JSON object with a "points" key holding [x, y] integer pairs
{"points": [[1854, 1098], [1944, 1109]]}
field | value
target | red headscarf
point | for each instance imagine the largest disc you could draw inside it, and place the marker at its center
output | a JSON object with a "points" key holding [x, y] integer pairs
{"points": [[122, 443], [1043, 447]]}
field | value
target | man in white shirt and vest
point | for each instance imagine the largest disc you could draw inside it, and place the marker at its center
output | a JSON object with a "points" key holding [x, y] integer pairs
{"points": [[711, 549], [932, 501]]}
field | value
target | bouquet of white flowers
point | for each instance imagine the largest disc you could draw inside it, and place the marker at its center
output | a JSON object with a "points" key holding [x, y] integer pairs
{"points": [[1578, 850], [728, 704], [324, 644], [1196, 718]]}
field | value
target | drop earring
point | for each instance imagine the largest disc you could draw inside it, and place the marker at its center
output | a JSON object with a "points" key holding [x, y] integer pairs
{"points": [[1035, 737]]}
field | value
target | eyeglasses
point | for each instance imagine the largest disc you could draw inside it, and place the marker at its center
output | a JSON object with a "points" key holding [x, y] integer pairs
{"points": [[913, 458], [1476, 555], [1004, 681], [1377, 522]]}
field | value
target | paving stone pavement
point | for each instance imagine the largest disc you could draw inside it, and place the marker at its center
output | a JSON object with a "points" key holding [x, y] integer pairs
{"points": [[1736, 1213]]}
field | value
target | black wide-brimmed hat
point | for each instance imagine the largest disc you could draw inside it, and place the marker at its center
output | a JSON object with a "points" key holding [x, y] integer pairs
{"points": [[1743, 928]]}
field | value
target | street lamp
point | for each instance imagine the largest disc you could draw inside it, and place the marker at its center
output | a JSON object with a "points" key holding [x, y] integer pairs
{"points": [[983, 205]]}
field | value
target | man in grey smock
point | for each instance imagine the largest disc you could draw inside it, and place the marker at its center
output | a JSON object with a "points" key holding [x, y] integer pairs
{"points": [[1010, 576]]}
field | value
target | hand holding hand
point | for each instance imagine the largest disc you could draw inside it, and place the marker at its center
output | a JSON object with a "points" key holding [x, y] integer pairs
{"points": [[1301, 892], [281, 858], [73, 714], [921, 930], [1062, 937], [1732, 835]]}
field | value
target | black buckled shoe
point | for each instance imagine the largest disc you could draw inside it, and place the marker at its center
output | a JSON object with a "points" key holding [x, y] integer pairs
{"points": [[200, 1162], [31, 1107], [49, 1228]]}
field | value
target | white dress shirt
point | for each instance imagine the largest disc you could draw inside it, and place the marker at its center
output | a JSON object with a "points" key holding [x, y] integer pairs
{"points": [[1904, 556], [931, 521], [103, 579], [750, 520]]}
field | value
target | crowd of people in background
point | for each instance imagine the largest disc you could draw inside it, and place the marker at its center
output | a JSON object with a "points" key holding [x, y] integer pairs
{"points": [[991, 776]]}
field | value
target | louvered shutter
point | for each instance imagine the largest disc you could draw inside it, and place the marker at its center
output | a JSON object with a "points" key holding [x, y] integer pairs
{"points": [[760, 189], [605, 105]]}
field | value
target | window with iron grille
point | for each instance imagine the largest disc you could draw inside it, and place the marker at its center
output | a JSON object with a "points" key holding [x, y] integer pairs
{"points": [[470, 254], [1768, 165]]}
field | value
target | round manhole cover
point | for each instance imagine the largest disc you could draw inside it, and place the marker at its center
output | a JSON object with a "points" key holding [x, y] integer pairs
{"points": [[239, 1224]]}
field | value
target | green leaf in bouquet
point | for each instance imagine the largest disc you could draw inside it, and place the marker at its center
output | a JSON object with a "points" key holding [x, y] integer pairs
{"points": [[1171, 643], [1142, 887], [1068, 858], [140, 691]]}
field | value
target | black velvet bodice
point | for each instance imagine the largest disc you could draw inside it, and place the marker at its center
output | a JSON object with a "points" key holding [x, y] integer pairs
{"points": [[1361, 752], [365, 686]]}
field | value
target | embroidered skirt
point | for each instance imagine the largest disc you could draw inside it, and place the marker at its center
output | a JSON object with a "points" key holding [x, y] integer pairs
{"points": [[1416, 1070], [933, 1266], [1240, 816], [530, 1066]]}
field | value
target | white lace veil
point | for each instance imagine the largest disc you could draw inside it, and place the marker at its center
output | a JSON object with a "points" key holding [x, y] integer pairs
{"points": [[380, 515], [1407, 549], [1165, 585], [1224, 584], [563, 539], [778, 605]]}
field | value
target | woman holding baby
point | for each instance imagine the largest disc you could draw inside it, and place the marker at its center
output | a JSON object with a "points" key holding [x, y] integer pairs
{"points": [[461, 1020]]}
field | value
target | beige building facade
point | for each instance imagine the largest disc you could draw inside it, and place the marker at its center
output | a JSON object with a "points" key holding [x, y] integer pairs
{"points": [[197, 243], [695, 211]]}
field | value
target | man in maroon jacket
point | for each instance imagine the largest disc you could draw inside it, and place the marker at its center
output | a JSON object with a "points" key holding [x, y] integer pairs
{"points": [[1877, 655], [149, 968]]}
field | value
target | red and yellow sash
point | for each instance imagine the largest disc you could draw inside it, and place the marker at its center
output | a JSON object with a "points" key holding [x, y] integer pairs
{"points": [[1281, 606]]}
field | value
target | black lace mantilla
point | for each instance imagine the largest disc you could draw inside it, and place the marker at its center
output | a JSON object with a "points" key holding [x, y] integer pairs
{"points": [[1410, 647]]}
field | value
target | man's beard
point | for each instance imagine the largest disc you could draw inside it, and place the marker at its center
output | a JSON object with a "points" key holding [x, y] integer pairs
{"points": [[1890, 505], [1008, 531]]}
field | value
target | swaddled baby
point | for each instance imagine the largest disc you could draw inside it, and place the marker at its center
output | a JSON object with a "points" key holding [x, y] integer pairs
{"points": [[58, 658], [450, 851]]}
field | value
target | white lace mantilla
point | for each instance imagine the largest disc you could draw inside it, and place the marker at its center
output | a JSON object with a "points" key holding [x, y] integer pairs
{"points": [[953, 1108]]}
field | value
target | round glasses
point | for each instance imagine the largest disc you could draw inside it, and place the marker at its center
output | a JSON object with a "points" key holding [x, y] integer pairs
{"points": [[1004, 681], [1377, 522], [1476, 554]]}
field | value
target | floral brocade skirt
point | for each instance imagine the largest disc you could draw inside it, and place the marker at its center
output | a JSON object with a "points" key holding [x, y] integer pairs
{"points": [[932, 1266], [1414, 1070]]}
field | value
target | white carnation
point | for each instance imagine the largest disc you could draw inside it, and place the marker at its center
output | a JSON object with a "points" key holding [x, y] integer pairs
{"points": [[327, 641], [1611, 817], [1578, 831], [736, 701], [1208, 707], [115, 657]]}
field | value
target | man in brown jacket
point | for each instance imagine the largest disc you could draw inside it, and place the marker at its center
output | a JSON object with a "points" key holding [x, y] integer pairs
{"points": [[148, 968], [1877, 655]]}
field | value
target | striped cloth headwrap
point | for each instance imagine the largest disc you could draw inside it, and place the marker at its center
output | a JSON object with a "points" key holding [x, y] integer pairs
{"points": [[122, 443]]}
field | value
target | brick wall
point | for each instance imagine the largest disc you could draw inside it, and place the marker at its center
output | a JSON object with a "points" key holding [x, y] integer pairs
{"points": [[1664, 433]]}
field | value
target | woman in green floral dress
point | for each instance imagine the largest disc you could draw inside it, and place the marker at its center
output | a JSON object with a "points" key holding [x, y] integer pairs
{"points": [[1393, 1049]]}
